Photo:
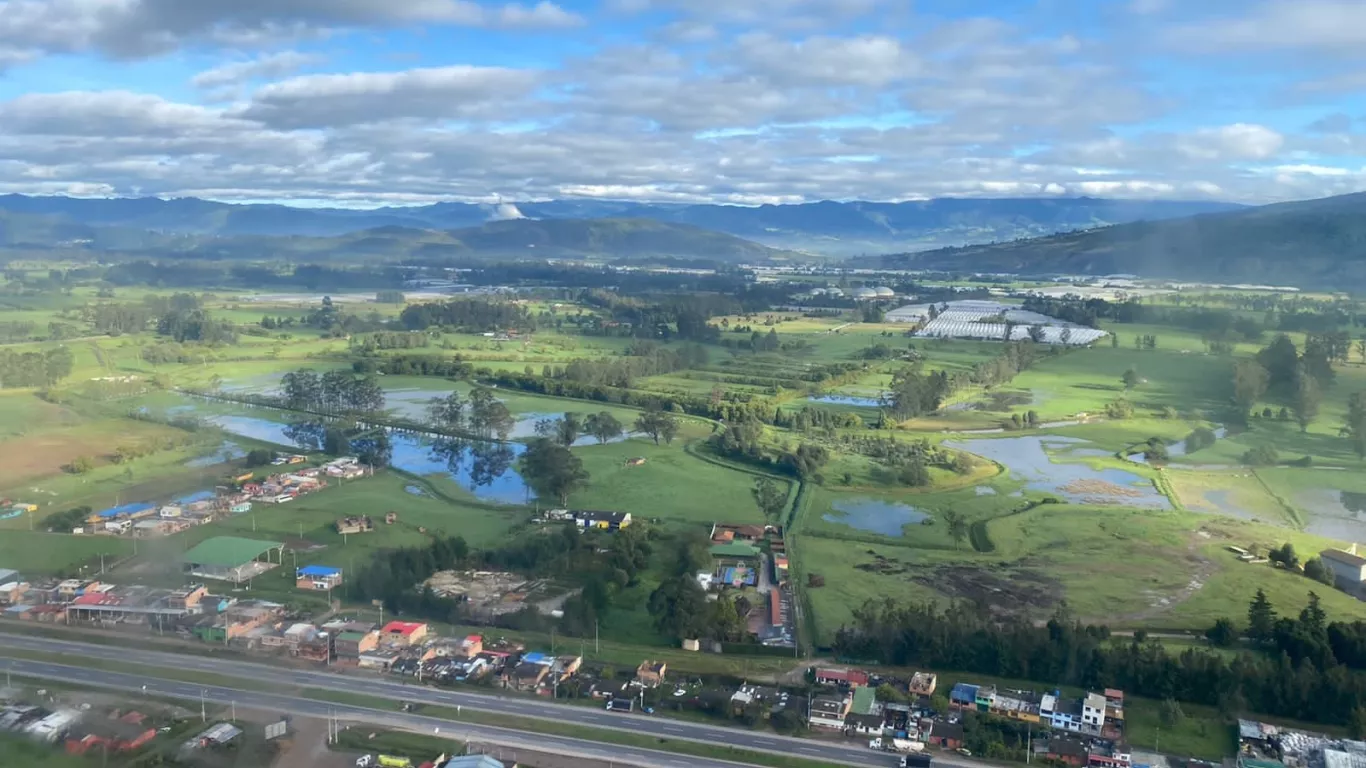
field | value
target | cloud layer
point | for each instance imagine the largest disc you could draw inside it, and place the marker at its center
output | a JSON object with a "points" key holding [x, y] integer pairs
{"points": [[377, 101]]}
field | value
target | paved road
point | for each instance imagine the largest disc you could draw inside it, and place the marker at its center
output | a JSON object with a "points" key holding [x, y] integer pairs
{"points": [[219, 696], [852, 754]]}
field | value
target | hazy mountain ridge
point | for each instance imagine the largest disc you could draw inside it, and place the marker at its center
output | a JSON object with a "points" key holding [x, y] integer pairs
{"points": [[836, 228], [1310, 242]]}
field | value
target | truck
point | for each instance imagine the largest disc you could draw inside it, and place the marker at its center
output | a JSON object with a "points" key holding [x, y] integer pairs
{"points": [[895, 745], [915, 760], [389, 761]]}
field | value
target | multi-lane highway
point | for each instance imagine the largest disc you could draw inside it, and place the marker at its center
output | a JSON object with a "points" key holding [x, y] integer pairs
{"points": [[515, 707]]}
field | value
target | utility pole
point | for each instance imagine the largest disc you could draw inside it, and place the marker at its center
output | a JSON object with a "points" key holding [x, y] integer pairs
{"points": [[203, 709], [596, 649]]}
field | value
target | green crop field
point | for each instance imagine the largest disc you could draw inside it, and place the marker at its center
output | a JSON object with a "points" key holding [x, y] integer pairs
{"points": [[57, 553]]}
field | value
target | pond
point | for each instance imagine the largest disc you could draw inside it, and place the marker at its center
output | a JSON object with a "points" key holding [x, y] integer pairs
{"points": [[1028, 458], [1222, 500], [1336, 514], [225, 451], [485, 468], [885, 518], [861, 402]]}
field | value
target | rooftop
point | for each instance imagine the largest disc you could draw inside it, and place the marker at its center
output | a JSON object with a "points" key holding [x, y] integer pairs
{"points": [[1346, 558], [404, 628], [229, 551], [319, 570], [735, 549]]}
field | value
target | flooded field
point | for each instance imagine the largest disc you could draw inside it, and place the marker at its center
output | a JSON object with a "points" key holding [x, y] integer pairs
{"points": [[1336, 514], [1028, 458], [861, 402], [884, 518]]}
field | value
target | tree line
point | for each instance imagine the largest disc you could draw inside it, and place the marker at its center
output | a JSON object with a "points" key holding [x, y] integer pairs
{"points": [[34, 369], [1304, 667], [467, 314], [335, 391]]}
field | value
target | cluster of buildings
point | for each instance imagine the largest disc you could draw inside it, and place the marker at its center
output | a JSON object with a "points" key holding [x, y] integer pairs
{"points": [[754, 557], [1264, 745], [983, 319], [587, 519], [81, 730], [10, 509]]}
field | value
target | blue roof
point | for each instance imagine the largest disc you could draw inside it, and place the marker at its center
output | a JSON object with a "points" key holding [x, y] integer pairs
{"points": [[534, 657], [318, 570], [192, 498], [18, 608], [127, 509], [964, 692]]}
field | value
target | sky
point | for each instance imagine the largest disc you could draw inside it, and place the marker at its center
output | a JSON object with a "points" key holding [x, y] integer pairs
{"points": [[398, 102]]}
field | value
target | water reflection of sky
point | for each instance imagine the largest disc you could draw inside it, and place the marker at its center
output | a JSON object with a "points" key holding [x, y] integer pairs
{"points": [[886, 518], [1027, 458], [1336, 514], [485, 468]]}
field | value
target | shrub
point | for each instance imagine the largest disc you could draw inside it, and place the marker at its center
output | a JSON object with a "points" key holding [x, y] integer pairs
{"points": [[1261, 456]]}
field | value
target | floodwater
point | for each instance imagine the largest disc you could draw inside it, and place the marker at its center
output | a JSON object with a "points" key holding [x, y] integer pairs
{"points": [[885, 518], [984, 490], [412, 404], [226, 451], [1027, 458], [1336, 514], [485, 468], [1178, 449], [862, 402]]}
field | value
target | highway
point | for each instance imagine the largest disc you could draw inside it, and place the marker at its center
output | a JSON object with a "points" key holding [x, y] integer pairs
{"points": [[851, 754]]}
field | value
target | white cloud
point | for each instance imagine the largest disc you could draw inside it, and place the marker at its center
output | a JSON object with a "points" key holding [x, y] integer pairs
{"points": [[1314, 25], [456, 92], [869, 60], [1236, 142], [268, 66]]}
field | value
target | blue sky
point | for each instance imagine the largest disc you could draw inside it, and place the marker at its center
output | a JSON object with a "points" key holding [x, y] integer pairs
{"points": [[371, 102]]}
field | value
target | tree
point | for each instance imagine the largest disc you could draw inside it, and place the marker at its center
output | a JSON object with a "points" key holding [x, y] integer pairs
{"points": [[1222, 634], [259, 457], [1281, 359], [80, 465], [956, 525], [659, 425], [1036, 334], [1261, 456], [770, 497], [1316, 570], [1261, 618], [1169, 712], [448, 413], [914, 473], [1250, 380], [1356, 722], [488, 416], [1306, 401], [552, 470], [1131, 379], [568, 429], [603, 426], [679, 607], [1356, 423]]}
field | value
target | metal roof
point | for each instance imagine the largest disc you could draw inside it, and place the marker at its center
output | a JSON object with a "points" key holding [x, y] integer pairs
{"points": [[229, 551], [319, 570]]}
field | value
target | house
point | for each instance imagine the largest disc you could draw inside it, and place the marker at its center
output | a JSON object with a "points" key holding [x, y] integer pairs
{"points": [[354, 525], [923, 683], [1093, 712], [1067, 751], [1109, 755], [472, 646], [607, 521], [528, 676], [13, 592], [1016, 705], [946, 735], [1114, 714], [963, 696], [403, 632], [1064, 715], [752, 695], [841, 677], [318, 578], [351, 645], [1348, 568], [381, 660], [240, 507], [735, 550], [864, 725], [829, 712], [650, 673]]}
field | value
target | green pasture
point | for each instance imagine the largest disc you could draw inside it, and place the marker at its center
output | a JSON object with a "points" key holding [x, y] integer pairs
{"points": [[1084, 381], [37, 553], [672, 484]]}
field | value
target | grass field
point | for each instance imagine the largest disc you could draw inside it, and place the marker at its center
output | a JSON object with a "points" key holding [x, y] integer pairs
{"points": [[672, 484], [52, 553]]}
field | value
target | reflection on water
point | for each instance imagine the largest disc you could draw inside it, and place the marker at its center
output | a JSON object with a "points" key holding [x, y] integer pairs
{"points": [[1336, 514], [863, 402], [886, 518], [485, 468], [1027, 458], [226, 451]]}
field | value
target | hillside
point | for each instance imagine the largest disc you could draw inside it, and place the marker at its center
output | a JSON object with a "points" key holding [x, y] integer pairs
{"points": [[515, 239], [1312, 242], [831, 228]]}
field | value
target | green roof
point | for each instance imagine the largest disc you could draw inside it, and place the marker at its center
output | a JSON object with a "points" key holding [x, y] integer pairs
{"points": [[228, 551], [734, 549], [353, 637], [864, 699]]}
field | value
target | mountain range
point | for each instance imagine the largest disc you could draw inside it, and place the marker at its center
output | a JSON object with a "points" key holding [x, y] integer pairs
{"points": [[1308, 243], [827, 228]]}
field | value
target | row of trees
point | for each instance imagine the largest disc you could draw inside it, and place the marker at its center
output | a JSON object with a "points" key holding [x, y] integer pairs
{"points": [[482, 415], [472, 314], [34, 369], [334, 391], [369, 343], [1312, 669]]}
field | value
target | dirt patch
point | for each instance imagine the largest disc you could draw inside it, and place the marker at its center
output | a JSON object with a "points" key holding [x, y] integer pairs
{"points": [[1005, 591], [42, 455], [882, 565]]}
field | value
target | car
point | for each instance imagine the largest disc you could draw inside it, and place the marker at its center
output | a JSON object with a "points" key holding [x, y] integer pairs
{"points": [[964, 751], [365, 761]]}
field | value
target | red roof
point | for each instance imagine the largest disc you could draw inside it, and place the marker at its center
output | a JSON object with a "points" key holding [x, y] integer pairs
{"points": [[850, 676], [474, 638], [404, 628]]}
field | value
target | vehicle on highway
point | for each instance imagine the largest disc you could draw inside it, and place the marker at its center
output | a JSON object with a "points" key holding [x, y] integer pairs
{"points": [[915, 760], [390, 761], [965, 752], [365, 761]]}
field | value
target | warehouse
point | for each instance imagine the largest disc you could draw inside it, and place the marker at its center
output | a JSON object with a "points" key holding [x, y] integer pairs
{"points": [[231, 558]]}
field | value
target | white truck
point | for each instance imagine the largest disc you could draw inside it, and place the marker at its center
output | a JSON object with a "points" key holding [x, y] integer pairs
{"points": [[895, 745]]}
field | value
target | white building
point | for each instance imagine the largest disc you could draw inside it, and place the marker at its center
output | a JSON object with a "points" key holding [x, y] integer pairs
{"points": [[1093, 711], [1349, 568]]}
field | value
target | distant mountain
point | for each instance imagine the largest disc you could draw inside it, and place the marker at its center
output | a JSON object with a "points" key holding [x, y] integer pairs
{"points": [[1312, 242], [831, 228], [512, 239]]}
